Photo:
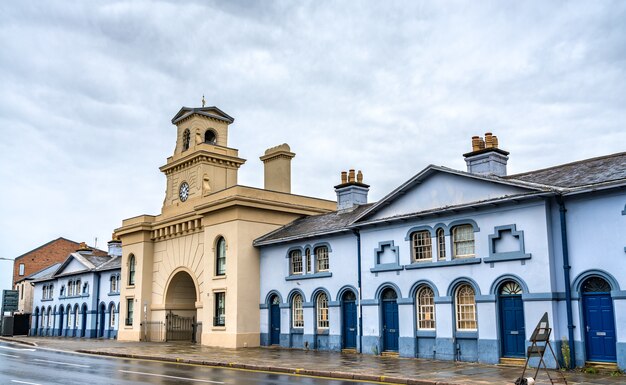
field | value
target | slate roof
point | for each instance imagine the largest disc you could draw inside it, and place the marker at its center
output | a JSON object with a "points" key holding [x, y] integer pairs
{"points": [[313, 225], [210, 112], [111, 264], [603, 169]]}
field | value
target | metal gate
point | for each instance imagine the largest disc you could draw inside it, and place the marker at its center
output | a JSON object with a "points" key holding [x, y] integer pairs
{"points": [[180, 328]]}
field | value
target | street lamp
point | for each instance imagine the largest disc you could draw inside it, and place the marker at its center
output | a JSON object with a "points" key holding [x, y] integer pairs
{"points": [[6, 259]]}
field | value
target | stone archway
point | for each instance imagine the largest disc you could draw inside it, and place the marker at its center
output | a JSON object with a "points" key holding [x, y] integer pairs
{"points": [[180, 308]]}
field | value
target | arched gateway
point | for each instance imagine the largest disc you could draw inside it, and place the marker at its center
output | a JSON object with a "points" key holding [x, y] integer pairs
{"points": [[196, 258]]}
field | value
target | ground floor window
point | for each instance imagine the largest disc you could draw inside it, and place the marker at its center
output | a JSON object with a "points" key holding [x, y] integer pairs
{"points": [[426, 309], [112, 316], [130, 305], [465, 308], [220, 309], [322, 311], [298, 314]]}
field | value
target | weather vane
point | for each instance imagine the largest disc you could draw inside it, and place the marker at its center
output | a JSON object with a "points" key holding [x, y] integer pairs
{"points": [[203, 101]]}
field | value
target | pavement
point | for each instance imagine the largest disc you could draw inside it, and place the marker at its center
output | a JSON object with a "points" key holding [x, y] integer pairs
{"points": [[316, 363]]}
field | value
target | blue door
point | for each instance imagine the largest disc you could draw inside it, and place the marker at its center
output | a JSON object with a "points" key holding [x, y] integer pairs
{"points": [[512, 326], [275, 321], [599, 327], [390, 321], [349, 321]]}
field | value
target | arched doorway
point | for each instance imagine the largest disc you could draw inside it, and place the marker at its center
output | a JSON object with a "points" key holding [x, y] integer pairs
{"points": [[83, 320], [512, 329], [348, 313], [275, 320], [598, 316], [61, 321], [390, 322], [180, 306], [102, 323]]}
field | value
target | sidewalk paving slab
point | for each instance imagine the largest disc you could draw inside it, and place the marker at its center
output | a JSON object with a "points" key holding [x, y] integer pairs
{"points": [[393, 370]]}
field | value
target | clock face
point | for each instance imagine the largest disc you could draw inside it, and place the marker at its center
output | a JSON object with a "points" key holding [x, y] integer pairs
{"points": [[183, 192]]}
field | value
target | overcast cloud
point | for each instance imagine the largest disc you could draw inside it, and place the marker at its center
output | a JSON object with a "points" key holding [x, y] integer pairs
{"points": [[87, 91]]}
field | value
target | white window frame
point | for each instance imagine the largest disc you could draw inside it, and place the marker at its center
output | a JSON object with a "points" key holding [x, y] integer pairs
{"points": [[220, 257], [297, 312], [322, 262], [463, 241], [130, 311], [421, 246], [112, 317], [76, 317], [295, 257], [465, 308], [21, 269], [441, 244], [425, 299], [321, 310]]}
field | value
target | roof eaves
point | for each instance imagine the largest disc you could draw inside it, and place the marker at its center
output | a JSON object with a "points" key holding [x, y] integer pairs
{"points": [[314, 234]]}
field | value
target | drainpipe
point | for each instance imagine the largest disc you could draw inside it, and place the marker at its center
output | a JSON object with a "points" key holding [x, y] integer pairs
{"points": [[358, 253], [566, 276], [97, 292]]}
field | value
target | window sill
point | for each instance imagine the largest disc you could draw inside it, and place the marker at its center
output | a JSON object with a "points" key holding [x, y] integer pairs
{"points": [[503, 257], [47, 299], [219, 277], [425, 333], [324, 274], [386, 267], [218, 328], [469, 334], [130, 286], [454, 262], [297, 330], [114, 293], [322, 332]]}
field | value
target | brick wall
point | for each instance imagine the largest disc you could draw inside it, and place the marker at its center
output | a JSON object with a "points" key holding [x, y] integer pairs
{"points": [[43, 256]]}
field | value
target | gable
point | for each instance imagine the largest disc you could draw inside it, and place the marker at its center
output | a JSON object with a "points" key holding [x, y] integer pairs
{"points": [[72, 266], [442, 189]]}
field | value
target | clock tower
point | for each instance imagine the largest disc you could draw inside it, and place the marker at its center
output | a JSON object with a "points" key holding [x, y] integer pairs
{"points": [[202, 162]]}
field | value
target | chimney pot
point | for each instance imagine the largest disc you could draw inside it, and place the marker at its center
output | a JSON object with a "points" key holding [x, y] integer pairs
{"points": [[359, 177], [344, 177], [488, 140], [351, 176], [475, 143], [494, 141], [481, 144]]}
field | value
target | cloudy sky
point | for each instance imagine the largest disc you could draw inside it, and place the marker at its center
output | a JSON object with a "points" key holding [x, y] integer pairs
{"points": [[87, 91]]}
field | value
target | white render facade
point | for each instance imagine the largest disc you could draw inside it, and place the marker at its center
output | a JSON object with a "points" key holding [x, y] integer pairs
{"points": [[458, 265], [80, 298]]}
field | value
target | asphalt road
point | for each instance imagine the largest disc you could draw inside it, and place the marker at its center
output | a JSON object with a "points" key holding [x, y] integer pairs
{"points": [[34, 366]]}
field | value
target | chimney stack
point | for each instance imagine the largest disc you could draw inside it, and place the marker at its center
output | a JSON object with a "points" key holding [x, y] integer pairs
{"points": [[115, 246], [486, 158], [352, 191], [277, 161]]}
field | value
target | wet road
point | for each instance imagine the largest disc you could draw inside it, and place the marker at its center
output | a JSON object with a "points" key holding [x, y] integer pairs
{"points": [[21, 364]]}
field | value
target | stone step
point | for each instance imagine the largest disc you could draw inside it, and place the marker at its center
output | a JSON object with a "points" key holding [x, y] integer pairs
{"points": [[506, 361], [602, 366], [390, 354], [350, 351]]}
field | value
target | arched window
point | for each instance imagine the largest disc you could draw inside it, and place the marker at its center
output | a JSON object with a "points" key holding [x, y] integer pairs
{"points": [[209, 137], [463, 241], [510, 288], [296, 261], [465, 308], [131, 269], [69, 316], [425, 308], [297, 313], [86, 288], [186, 139], [112, 316], [321, 258], [48, 318], [307, 255], [76, 317], [220, 257], [421, 246], [113, 288], [596, 285], [322, 311], [441, 244]]}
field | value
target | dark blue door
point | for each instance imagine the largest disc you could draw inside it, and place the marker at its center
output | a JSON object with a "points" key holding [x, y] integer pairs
{"points": [[512, 324], [275, 322], [349, 321], [390, 322], [599, 327]]}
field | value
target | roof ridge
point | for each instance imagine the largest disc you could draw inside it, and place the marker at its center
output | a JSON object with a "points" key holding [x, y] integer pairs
{"points": [[566, 164]]}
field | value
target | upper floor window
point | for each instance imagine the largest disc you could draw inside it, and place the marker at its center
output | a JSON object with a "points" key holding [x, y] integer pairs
{"points": [[463, 241], [307, 255], [114, 281], [322, 311], [220, 257], [131, 269], [86, 288], [426, 309], [46, 291], [21, 272], [297, 313], [441, 244], [321, 258], [77, 287], [465, 308], [296, 261], [186, 139], [209, 137], [62, 293], [220, 309], [421, 246]]}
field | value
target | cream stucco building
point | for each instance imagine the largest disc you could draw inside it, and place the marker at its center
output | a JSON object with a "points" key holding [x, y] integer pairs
{"points": [[191, 271]]}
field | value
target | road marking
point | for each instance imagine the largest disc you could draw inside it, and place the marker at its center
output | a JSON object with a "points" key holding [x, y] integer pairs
{"points": [[9, 355], [62, 363], [24, 382], [23, 350], [172, 377]]}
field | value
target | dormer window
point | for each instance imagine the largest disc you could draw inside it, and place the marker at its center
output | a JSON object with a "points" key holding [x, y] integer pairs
{"points": [[209, 137], [186, 139]]}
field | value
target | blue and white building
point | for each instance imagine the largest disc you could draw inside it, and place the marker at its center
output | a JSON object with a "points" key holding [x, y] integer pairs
{"points": [[80, 297], [457, 265]]}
